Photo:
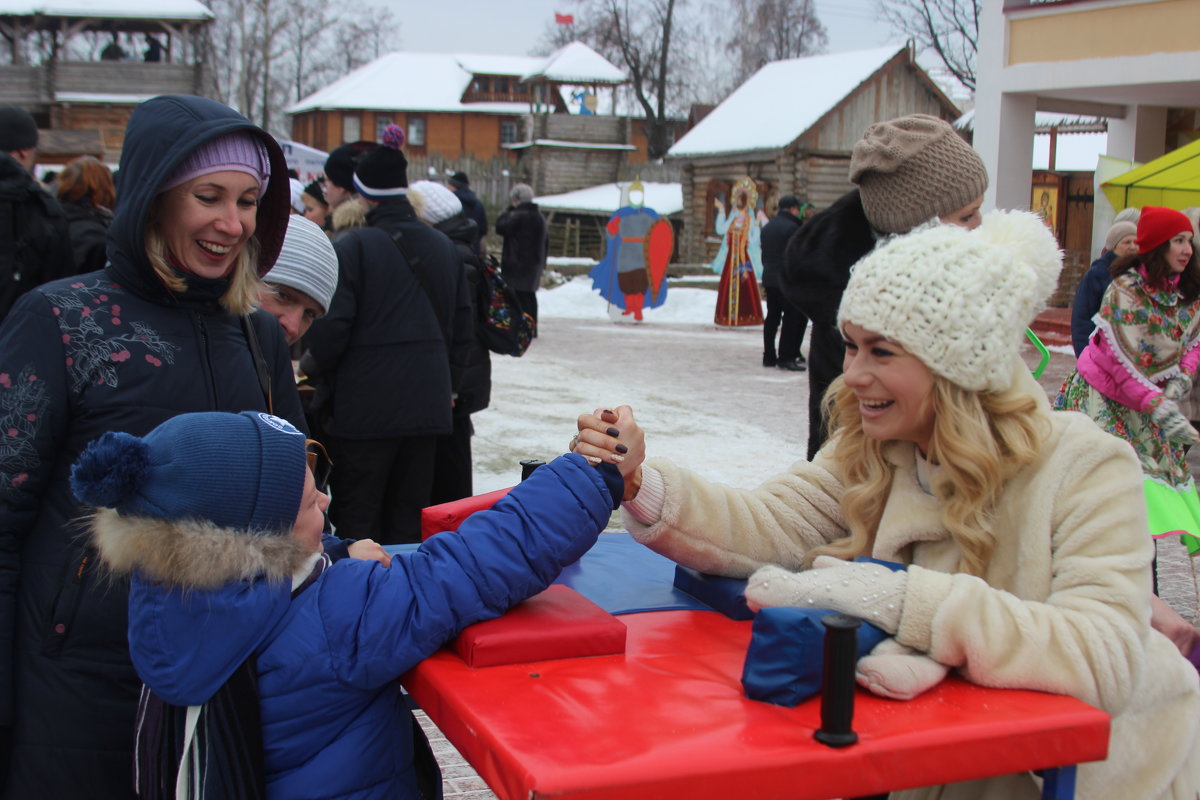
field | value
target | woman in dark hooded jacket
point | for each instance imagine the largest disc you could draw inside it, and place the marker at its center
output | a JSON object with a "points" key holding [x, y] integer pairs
{"points": [[160, 331]]}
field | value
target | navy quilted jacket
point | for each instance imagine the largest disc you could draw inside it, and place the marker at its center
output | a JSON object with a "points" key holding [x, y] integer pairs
{"points": [[112, 350]]}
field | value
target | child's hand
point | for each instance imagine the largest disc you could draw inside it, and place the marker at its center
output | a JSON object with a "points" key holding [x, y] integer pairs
{"points": [[369, 550]]}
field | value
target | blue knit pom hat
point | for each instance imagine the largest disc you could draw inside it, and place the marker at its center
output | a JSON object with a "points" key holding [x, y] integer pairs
{"points": [[240, 471]]}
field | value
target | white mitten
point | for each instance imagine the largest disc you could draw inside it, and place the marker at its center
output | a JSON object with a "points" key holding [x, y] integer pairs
{"points": [[1175, 426], [899, 672], [1177, 387], [869, 591]]}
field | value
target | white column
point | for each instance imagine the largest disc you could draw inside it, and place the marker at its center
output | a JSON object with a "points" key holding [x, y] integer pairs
{"points": [[1141, 136]]}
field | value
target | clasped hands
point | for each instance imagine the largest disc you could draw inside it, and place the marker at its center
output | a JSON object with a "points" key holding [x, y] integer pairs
{"points": [[612, 436], [869, 591]]}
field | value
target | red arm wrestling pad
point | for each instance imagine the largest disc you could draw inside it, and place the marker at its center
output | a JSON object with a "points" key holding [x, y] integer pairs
{"points": [[556, 623]]}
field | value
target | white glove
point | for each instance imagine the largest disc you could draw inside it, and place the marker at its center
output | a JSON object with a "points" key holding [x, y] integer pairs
{"points": [[1178, 387], [899, 672], [1175, 426], [868, 591]]}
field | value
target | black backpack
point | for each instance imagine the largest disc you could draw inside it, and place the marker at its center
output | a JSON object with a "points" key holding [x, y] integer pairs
{"points": [[500, 322]]}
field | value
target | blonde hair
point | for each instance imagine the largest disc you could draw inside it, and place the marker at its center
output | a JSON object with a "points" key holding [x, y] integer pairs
{"points": [[980, 441], [240, 298]]}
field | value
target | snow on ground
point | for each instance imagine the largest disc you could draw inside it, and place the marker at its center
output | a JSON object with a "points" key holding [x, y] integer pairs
{"points": [[699, 391]]}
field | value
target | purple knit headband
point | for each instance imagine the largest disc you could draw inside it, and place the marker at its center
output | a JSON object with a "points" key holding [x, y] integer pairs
{"points": [[238, 152]]}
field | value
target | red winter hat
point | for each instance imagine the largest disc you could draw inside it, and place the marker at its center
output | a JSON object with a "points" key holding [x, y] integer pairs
{"points": [[1156, 225]]}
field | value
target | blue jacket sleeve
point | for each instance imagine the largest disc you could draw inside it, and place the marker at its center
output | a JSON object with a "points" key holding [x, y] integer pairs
{"points": [[34, 411], [379, 622]]}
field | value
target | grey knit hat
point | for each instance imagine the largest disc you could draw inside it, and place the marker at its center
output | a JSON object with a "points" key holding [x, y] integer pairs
{"points": [[911, 169], [1117, 232], [307, 262]]}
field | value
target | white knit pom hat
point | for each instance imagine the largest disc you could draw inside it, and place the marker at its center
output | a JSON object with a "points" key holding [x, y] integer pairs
{"points": [[433, 202], [958, 300]]}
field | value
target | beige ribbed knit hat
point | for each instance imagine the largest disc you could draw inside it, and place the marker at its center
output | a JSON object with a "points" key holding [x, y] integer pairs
{"points": [[958, 300], [911, 169]]}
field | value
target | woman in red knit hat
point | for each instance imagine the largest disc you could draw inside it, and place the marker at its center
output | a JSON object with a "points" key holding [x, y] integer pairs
{"points": [[1140, 361]]}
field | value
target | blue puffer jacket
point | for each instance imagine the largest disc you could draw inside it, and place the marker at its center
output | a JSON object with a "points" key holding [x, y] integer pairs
{"points": [[112, 350], [334, 723]]}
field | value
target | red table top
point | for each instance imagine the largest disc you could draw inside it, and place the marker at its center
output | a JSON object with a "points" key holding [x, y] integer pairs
{"points": [[669, 719]]}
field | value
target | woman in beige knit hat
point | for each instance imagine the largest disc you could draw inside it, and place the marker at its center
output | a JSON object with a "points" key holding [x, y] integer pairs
{"points": [[1022, 531], [909, 171]]}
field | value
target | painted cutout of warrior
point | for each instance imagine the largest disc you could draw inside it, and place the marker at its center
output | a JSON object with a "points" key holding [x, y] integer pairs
{"points": [[632, 273], [739, 261]]}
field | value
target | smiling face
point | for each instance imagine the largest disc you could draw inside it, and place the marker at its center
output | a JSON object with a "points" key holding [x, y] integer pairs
{"points": [[206, 221], [1180, 252], [294, 309], [894, 388], [310, 521]]}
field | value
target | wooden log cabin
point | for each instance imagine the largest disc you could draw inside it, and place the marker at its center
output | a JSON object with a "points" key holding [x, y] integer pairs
{"points": [[792, 127]]}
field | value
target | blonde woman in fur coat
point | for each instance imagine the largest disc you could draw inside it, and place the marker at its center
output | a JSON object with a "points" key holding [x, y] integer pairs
{"points": [[1024, 531]]}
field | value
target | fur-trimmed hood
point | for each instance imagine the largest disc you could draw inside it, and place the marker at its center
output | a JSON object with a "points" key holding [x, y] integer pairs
{"points": [[202, 598], [192, 554]]}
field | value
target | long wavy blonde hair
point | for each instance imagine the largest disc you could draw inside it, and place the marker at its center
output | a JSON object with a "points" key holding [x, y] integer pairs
{"points": [[244, 284], [979, 441]]}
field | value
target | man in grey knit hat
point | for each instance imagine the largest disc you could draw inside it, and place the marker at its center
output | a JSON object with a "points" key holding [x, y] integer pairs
{"points": [[909, 171], [299, 288]]}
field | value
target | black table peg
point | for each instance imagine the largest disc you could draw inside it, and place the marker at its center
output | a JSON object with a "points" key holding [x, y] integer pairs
{"points": [[837, 690], [528, 465]]}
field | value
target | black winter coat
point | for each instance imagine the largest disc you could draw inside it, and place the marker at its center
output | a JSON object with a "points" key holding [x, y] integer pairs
{"points": [[89, 234], [816, 270], [473, 208], [388, 360], [113, 350], [35, 246], [774, 238], [475, 391], [525, 245]]}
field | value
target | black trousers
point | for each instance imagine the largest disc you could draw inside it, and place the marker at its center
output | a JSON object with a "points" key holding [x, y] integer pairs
{"points": [[379, 487], [528, 301], [793, 323], [825, 353], [452, 470]]}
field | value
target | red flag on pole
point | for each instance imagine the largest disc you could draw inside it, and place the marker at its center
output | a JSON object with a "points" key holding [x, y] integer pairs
{"points": [[564, 19]]}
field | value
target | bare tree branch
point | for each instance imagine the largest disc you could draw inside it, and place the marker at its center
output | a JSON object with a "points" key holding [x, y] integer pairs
{"points": [[948, 27]]}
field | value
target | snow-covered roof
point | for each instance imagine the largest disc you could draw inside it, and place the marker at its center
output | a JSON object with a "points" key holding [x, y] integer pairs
{"points": [[436, 81], [577, 63], [781, 101], [665, 198], [107, 9], [413, 82], [1044, 120]]}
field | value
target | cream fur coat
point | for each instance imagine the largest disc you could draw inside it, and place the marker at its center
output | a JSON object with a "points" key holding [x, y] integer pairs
{"points": [[1064, 606]]}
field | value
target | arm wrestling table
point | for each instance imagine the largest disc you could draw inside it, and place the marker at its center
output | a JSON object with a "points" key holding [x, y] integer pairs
{"points": [[668, 717]]}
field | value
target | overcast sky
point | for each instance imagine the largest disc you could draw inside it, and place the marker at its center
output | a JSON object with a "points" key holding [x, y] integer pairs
{"points": [[514, 27]]}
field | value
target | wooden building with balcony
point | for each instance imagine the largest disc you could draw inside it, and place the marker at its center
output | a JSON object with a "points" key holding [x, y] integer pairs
{"points": [[80, 71]]}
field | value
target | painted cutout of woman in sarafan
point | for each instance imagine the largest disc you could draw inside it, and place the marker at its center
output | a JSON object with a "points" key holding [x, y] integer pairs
{"points": [[739, 261], [632, 274]]}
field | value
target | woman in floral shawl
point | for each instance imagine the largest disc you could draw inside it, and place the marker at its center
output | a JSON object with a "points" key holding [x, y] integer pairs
{"points": [[1141, 361]]}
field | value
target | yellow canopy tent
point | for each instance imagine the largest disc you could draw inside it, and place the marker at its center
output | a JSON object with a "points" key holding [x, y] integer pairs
{"points": [[1172, 180]]}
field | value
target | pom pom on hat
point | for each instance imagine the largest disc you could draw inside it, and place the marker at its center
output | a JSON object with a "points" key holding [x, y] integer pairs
{"points": [[958, 300], [110, 470], [307, 262], [383, 172], [1157, 225], [913, 168], [433, 202], [239, 471]]}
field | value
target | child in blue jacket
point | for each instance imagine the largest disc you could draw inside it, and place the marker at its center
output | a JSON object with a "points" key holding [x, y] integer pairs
{"points": [[218, 521]]}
